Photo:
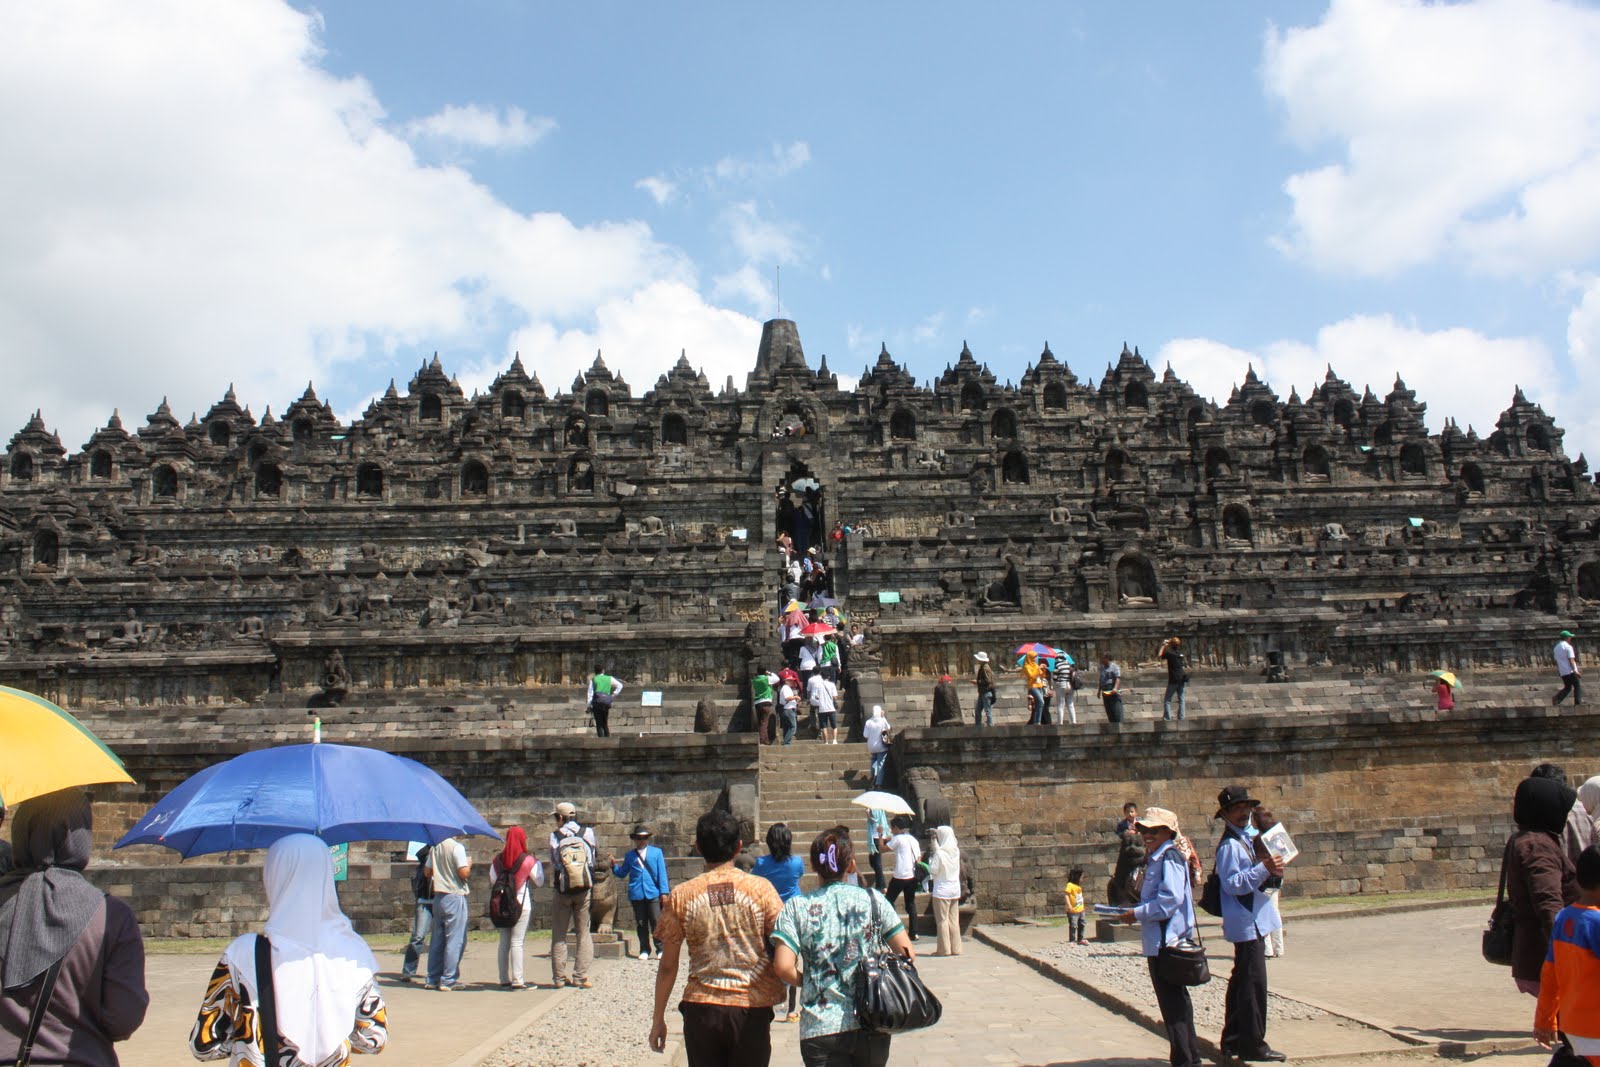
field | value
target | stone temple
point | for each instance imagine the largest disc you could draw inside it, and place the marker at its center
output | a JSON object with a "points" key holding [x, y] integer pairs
{"points": [[440, 577]]}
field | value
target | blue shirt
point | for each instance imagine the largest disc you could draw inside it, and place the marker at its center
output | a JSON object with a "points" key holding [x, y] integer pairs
{"points": [[1246, 914], [1166, 897], [783, 874], [877, 826], [647, 877]]}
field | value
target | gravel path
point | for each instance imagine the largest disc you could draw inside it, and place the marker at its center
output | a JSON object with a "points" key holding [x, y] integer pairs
{"points": [[1119, 969], [606, 1026]]}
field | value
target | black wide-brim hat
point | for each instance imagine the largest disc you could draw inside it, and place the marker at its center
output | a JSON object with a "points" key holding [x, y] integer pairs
{"points": [[1234, 794], [641, 831]]}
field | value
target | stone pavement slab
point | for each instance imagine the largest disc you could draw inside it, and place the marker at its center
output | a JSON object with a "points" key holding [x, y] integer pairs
{"points": [[425, 1027]]}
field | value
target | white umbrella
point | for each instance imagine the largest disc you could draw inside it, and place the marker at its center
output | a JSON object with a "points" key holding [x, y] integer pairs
{"points": [[877, 798]]}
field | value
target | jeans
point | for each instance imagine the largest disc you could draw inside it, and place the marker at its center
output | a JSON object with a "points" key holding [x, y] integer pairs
{"points": [[789, 719], [1075, 926], [1177, 1012], [449, 938], [876, 861], [1244, 1026], [509, 954], [421, 920], [853, 1048], [1180, 689], [983, 715], [878, 760], [1038, 716], [1570, 683], [908, 886], [570, 912], [646, 913]]}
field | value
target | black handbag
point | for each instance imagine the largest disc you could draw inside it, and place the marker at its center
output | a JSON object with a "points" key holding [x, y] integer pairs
{"points": [[1497, 939], [1184, 961], [890, 996]]}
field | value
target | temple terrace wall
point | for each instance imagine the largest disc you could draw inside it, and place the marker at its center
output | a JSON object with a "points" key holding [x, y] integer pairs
{"points": [[1377, 801]]}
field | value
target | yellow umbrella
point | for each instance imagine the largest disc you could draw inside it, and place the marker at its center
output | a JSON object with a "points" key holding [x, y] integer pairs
{"points": [[46, 749], [1446, 677]]}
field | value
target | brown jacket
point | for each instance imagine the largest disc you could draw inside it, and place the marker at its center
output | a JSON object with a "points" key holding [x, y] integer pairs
{"points": [[99, 997], [1540, 881]]}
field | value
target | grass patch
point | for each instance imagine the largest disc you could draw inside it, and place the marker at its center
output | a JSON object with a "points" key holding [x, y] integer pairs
{"points": [[1360, 901]]}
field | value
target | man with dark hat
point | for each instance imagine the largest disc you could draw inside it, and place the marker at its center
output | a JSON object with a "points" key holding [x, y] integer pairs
{"points": [[645, 868], [1248, 916]]}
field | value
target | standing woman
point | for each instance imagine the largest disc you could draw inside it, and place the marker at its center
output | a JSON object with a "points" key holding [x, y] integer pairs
{"points": [[784, 870], [1038, 682], [515, 858], [1540, 877], [327, 1004], [1165, 913], [831, 930], [944, 885], [55, 927], [645, 868]]}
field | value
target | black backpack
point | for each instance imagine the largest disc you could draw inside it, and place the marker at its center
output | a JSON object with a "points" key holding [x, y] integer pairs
{"points": [[421, 884], [505, 903]]}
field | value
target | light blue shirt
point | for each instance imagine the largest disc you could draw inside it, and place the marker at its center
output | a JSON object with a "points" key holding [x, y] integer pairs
{"points": [[1246, 914], [1165, 897]]}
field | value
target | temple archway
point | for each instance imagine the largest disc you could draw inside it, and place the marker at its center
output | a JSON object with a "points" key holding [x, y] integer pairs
{"points": [[972, 398], [1413, 459], [22, 467], [903, 425], [269, 480], [369, 480], [1055, 397], [1014, 468], [100, 465], [220, 433], [1218, 463], [801, 507], [512, 405], [164, 483], [1116, 465], [1316, 463], [1344, 414], [1538, 438], [1136, 578], [302, 431], [1264, 413], [430, 408], [1472, 477], [46, 549], [1236, 522], [1004, 425], [580, 476], [597, 403], [674, 431], [474, 478], [1589, 581], [1136, 396]]}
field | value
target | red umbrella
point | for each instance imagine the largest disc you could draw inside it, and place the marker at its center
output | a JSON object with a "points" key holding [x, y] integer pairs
{"points": [[816, 629]]}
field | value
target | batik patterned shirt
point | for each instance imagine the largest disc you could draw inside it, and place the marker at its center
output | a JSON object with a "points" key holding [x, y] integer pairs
{"points": [[830, 930], [229, 1026], [725, 917]]}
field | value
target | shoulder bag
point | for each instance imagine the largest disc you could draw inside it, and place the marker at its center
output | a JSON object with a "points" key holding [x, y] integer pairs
{"points": [[267, 1010], [890, 997], [1497, 939], [1184, 961], [41, 1004]]}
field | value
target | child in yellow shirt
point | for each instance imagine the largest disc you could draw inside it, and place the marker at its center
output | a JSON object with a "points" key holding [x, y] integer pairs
{"points": [[1075, 906]]}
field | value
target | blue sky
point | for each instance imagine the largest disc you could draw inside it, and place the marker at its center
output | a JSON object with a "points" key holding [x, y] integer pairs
{"points": [[266, 194]]}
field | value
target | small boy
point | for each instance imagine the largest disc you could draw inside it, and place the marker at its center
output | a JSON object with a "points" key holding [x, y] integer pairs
{"points": [[1075, 907], [1569, 984]]}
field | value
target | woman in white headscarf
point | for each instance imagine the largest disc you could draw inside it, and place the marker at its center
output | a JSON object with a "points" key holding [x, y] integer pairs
{"points": [[1589, 797], [944, 885], [327, 1003]]}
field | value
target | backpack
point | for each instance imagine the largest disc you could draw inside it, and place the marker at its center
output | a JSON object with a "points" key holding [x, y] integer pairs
{"points": [[421, 883], [505, 903], [1074, 678], [573, 872], [1210, 900]]}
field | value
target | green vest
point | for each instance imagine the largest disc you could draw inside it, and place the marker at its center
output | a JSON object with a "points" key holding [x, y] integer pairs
{"points": [[760, 689], [602, 684]]}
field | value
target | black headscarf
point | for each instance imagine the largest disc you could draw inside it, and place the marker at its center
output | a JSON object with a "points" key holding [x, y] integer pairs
{"points": [[1542, 804], [45, 901]]}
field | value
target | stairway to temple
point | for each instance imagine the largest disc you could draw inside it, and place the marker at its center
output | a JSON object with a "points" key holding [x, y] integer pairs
{"points": [[809, 785]]}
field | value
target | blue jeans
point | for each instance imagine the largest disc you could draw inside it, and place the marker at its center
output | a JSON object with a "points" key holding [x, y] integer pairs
{"points": [[878, 760], [1180, 688], [789, 720], [1037, 717], [421, 919], [449, 938], [983, 715]]}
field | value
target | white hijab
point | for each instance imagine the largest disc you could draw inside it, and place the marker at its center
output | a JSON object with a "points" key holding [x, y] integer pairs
{"points": [[878, 715], [945, 863], [320, 964]]}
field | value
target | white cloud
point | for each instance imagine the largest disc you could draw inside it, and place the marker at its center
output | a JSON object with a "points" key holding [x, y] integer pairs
{"points": [[1458, 373], [472, 126], [748, 286], [1465, 131], [662, 190], [226, 210], [929, 329], [781, 161], [761, 240]]}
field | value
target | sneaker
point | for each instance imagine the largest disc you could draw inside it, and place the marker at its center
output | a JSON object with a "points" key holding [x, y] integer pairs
{"points": [[644, 955], [518, 985], [431, 985], [793, 1017], [1083, 941], [583, 983], [445, 988]]}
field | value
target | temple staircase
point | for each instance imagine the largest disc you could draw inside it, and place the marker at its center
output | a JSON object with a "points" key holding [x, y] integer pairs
{"points": [[809, 785]]}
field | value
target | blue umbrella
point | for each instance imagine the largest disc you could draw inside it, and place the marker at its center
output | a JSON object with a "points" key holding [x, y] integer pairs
{"points": [[337, 792]]}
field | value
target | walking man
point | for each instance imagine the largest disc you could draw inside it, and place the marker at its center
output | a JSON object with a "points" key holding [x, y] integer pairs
{"points": [[1567, 668], [447, 867], [1248, 916], [823, 694], [572, 858], [725, 917], [1111, 687], [603, 689], [421, 915], [984, 715], [1177, 677]]}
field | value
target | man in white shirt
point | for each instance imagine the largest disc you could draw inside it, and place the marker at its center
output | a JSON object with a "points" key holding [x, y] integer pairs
{"points": [[904, 877], [789, 704], [1567, 668], [876, 731], [448, 866], [821, 694]]}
